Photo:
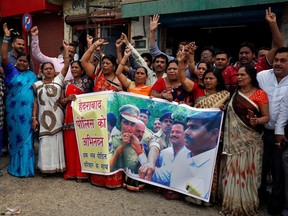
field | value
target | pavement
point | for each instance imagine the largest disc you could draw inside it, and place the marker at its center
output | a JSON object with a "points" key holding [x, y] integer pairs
{"points": [[56, 196]]}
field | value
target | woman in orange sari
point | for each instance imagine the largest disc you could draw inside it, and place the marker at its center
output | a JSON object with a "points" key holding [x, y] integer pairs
{"points": [[104, 79], [139, 85]]}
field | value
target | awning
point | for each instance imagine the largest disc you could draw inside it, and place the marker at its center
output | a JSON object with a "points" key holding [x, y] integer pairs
{"points": [[16, 7], [136, 8]]}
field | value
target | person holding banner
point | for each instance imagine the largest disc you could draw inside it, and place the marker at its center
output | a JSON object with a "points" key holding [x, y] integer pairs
{"points": [[80, 84], [105, 79], [170, 88], [19, 103], [241, 164]]}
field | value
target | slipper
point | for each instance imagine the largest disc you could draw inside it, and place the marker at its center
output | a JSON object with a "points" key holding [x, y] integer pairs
{"points": [[14, 211]]}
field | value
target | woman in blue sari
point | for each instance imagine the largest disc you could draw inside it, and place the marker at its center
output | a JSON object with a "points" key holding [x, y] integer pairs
{"points": [[19, 105]]}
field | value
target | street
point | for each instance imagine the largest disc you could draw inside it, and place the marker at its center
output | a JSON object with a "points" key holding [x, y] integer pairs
{"points": [[55, 196]]}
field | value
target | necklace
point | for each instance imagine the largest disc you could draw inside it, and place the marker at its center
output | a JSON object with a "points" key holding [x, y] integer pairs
{"points": [[247, 91], [209, 93]]}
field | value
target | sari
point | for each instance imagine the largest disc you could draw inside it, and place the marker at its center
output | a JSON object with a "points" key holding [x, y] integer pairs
{"points": [[103, 84], [72, 158], [19, 104], [114, 180], [242, 156], [51, 158]]}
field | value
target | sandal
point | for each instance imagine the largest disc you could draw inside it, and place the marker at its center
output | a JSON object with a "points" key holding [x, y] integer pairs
{"points": [[169, 194]]}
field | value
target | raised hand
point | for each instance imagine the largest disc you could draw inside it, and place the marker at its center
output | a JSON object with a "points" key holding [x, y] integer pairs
{"points": [[154, 22], [180, 56], [270, 17], [89, 39], [118, 43], [124, 38], [99, 42], [192, 47], [34, 31], [127, 52], [7, 32]]}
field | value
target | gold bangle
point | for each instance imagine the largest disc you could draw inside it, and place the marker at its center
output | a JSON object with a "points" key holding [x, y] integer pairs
{"points": [[191, 63]]}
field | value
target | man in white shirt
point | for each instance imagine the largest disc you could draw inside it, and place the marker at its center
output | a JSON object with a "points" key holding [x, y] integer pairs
{"points": [[191, 170], [275, 83]]}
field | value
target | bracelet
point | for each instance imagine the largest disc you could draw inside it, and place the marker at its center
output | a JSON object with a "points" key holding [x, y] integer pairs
{"points": [[34, 117], [191, 63], [122, 64], [181, 68], [6, 39]]}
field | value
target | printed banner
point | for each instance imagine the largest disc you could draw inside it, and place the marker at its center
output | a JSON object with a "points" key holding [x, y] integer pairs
{"points": [[154, 141]]}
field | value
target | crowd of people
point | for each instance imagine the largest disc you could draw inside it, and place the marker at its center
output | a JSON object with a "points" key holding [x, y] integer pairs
{"points": [[252, 94]]}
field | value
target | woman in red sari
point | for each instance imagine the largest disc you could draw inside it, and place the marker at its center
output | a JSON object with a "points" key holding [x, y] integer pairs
{"points": [[104, 79], [79, 85]]}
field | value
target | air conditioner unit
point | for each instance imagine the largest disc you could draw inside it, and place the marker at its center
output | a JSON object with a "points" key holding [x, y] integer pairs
{"points": [[141, 44]]}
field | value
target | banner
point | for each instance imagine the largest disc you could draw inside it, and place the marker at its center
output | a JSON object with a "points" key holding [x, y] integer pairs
{"points": [[180, 156]]}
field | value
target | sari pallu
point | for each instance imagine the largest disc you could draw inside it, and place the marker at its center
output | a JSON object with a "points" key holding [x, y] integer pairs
{"points": [[102, 84], [242, 159], [73, 165]]}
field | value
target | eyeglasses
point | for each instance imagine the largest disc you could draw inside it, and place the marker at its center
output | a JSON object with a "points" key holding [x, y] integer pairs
{"points": [[206, 54]]}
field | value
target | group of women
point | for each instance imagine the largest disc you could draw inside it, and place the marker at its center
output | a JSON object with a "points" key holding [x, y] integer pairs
{"points": [[42, 104]]}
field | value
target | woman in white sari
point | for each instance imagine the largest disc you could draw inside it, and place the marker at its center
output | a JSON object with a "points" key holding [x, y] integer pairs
{"points": [[243, 146], [50, 118]]}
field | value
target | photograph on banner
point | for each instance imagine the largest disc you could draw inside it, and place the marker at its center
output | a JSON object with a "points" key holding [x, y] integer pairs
{"points": [[180, 155]]}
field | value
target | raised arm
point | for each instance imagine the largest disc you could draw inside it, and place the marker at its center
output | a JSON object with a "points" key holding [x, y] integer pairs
{"points": [[66, 59], [186, 83], [125, 82], [118, 44], [135, 53], [85, 60], [154, 22], [191, 61], [277, 40], [89, 41], [153, 47], [36, 52], [5, 45]]}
